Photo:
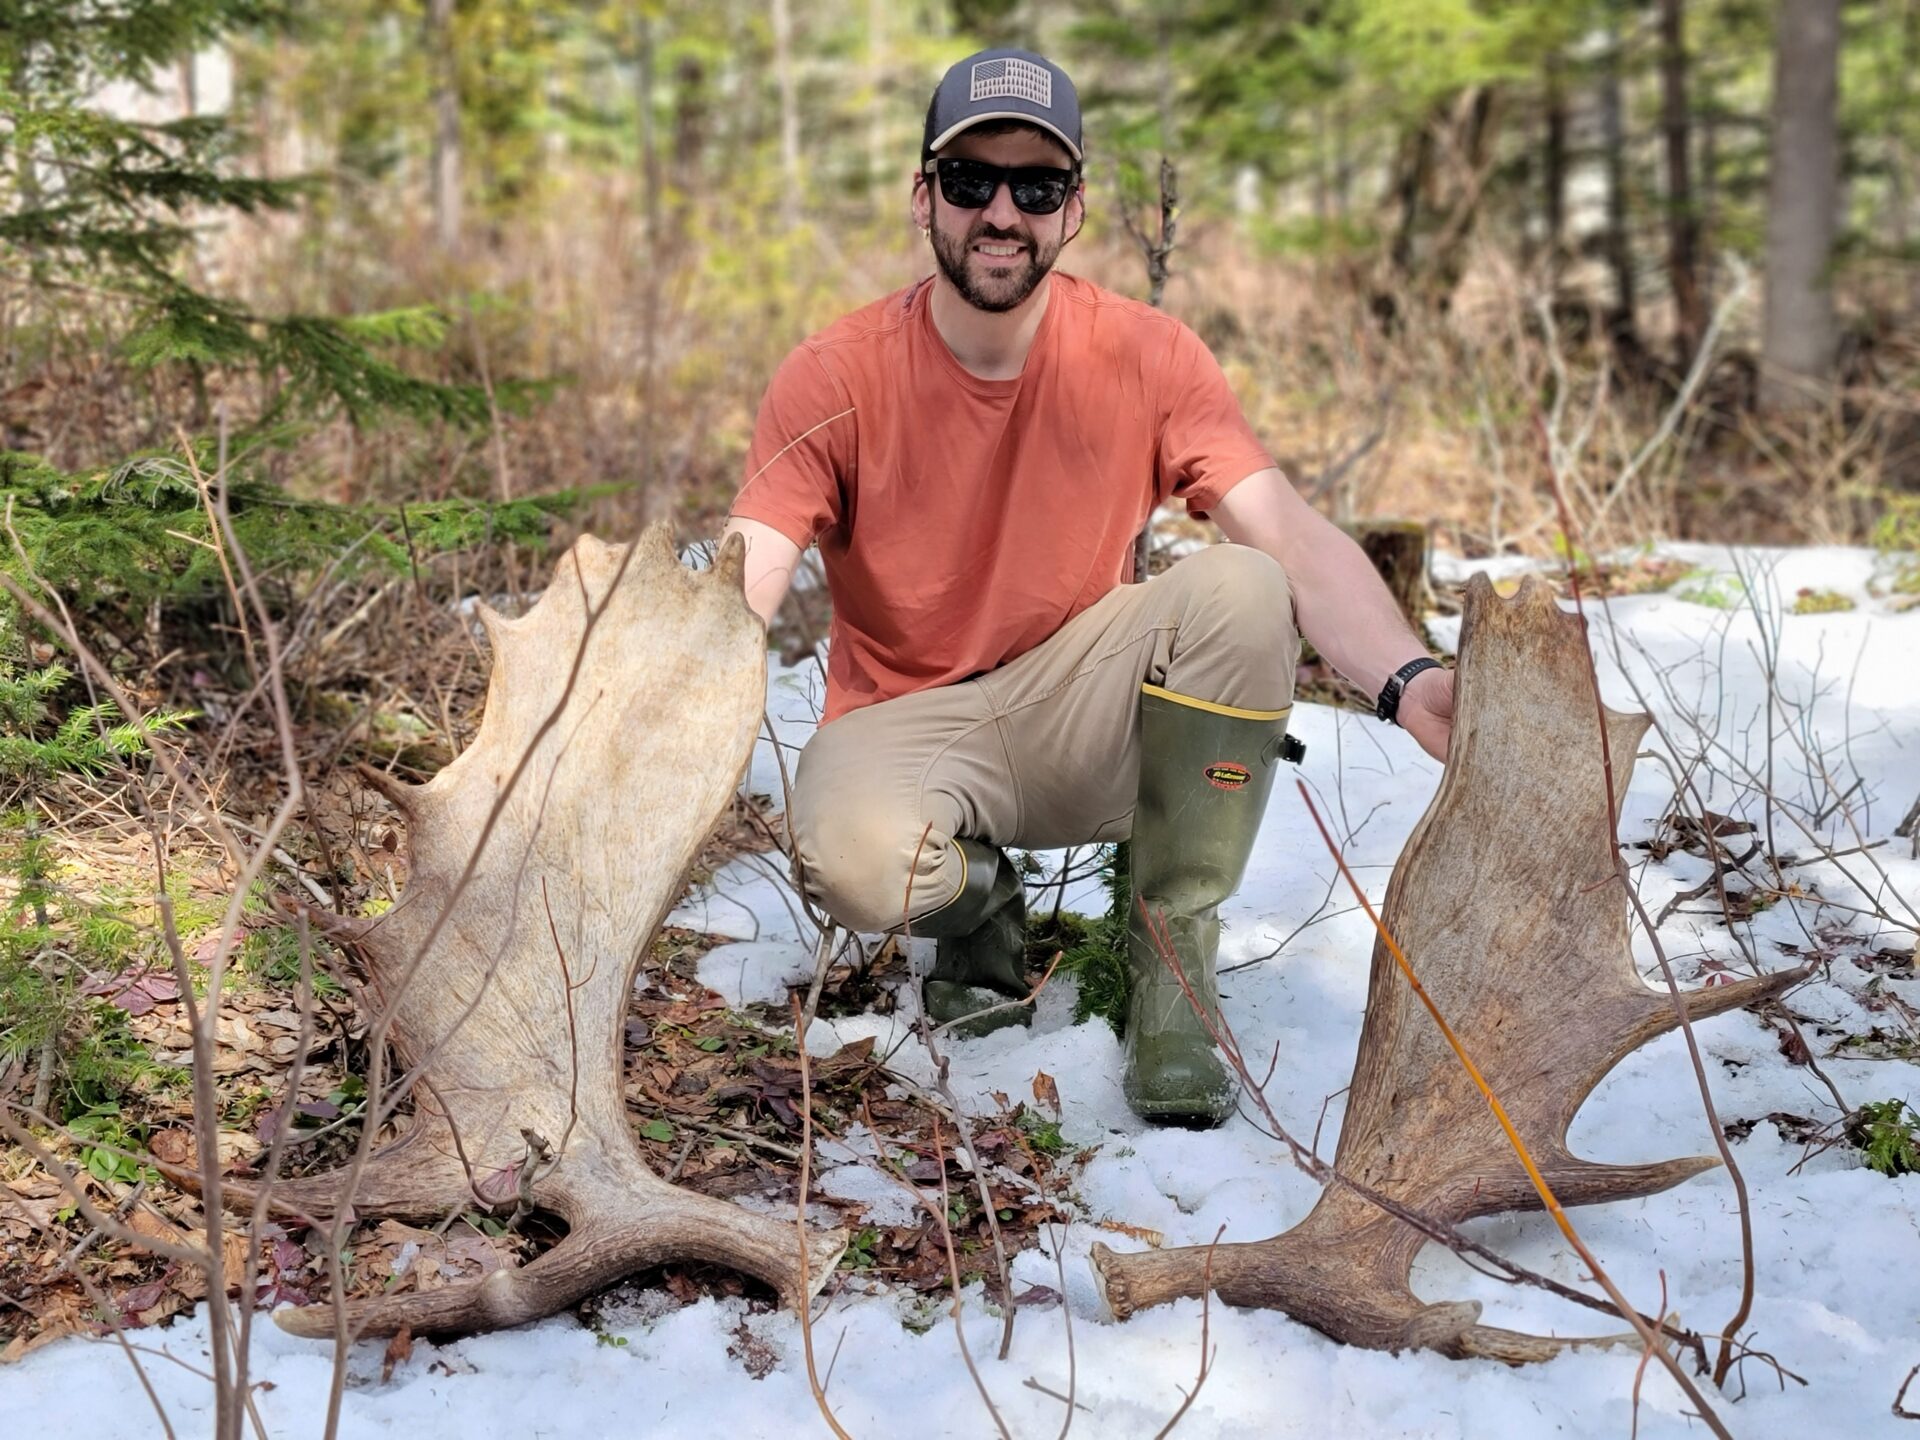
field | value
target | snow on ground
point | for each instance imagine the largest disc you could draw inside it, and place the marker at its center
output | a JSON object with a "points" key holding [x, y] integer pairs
{"points": [[1837, 1303]]}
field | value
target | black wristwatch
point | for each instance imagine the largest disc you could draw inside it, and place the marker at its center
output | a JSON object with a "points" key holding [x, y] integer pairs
{"points": [[1387, 707]]}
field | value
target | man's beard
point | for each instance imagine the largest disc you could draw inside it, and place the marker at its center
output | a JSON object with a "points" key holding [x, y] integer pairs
{"points": [[995, 291]]}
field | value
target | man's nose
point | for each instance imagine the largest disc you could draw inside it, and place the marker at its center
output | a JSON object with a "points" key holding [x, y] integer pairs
{"points": [[1001, 212]]}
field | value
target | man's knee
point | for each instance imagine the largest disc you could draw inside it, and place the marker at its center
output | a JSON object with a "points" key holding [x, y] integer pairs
{"points": [[848, 846], [1241, 592]]}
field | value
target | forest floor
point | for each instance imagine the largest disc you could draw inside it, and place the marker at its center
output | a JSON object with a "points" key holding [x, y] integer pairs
{"points": [[1734, 646]]}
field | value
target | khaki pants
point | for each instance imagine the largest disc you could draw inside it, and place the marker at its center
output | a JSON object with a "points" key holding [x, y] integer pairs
{"points": [[1044, 751]]}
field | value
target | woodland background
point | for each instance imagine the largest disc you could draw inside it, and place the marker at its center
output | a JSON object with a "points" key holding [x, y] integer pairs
{"points": [[394, 298]]}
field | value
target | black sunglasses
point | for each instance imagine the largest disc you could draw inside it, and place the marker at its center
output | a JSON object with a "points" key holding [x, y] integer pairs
{"points": [[972, 184]]}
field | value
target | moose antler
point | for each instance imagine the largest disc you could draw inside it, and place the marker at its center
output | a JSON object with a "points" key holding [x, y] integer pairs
{"points": [[1504, 902], [627, 699]]}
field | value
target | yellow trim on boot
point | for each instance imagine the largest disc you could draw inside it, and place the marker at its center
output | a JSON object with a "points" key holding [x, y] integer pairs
{"points": [[1213, 707]]}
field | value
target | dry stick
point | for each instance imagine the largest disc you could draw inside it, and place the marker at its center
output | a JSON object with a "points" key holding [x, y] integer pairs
{"points": [[800, 1226], [1545, 1191], [1066, 1318], [960, 1125], [1640, 1370], [953, 1277], [1899, 1406], [270, 1168], [275, 683], [939, 1218], [1206, 1357], [573, 1034], [1029, 998], [1724, 1359]]}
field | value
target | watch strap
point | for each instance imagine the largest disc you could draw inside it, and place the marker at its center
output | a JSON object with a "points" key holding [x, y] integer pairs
{"points": [[1387, 707]]}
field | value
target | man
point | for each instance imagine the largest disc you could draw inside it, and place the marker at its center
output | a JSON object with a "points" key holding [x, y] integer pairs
{"points": [[974, 456]]}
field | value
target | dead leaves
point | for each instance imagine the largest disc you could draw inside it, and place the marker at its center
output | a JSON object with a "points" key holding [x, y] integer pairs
{"points": [[137, 991]]}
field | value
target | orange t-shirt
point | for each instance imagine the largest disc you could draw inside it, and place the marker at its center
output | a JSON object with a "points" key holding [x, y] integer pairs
{"points": [[963, 521]]}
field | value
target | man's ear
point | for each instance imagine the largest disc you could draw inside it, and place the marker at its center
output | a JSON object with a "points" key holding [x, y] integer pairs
{"points": [[1076, 212], [921, 206]]}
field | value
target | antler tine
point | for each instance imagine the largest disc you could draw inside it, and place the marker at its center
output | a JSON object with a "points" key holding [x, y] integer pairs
{"points": [[1657, 1008], [730, 562], [405, 798]]}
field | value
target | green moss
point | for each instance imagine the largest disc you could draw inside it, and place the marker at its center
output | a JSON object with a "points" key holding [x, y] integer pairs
{"points": [[1820, 602], [1717, 591]]}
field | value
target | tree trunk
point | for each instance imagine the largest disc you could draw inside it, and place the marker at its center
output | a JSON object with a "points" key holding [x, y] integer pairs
{"points": [[1475, 123], [789, 113], [879, 163], [650, 175], [1709, 169], [1802, 335], [445, 178], [1683, 220], [1411, 182], [1621, 323], [1397, 549], [1554, 175]]}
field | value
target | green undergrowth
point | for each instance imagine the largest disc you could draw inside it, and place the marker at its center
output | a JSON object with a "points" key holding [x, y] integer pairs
{"points": [[1887, 1134], [51, 941], [1093, 950], [1821, 602], [140, 533], [88, 741], [1715, 590]]}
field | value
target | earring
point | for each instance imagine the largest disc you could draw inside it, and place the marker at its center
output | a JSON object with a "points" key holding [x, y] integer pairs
{"points": [[926, 232]]}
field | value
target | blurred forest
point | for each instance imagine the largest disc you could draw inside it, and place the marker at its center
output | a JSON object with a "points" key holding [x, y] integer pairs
{"points": [[485, 250]]}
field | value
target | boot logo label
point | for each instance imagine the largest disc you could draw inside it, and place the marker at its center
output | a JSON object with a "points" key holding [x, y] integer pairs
{"points": [[1225, 775]]}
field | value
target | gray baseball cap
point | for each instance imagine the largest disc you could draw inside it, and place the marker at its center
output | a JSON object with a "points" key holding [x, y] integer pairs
{"points": [[1003, 85]]}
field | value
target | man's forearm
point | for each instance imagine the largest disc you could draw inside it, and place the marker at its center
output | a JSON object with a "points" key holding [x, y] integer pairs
{"points": [[1340, 603], [1347, 612]]}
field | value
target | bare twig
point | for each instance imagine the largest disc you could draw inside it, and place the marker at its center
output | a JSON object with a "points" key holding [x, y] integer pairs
{"points": [[1206, 1348], [953, 1277], [805, 1308], [1612, 817]]}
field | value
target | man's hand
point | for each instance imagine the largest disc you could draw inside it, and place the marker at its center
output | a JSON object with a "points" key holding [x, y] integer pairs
{"points": [[1426, 711], [771, 560]]}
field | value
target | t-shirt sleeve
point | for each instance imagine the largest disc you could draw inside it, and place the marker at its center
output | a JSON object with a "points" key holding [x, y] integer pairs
{"points": [[1206, 445], [801, 452]]}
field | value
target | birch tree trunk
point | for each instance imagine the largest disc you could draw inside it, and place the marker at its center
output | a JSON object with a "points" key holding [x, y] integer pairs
{"points": [[1803, 201]]}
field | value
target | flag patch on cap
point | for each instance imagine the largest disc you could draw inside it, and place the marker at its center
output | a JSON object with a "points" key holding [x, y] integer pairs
{"points": [[1022, 79]]}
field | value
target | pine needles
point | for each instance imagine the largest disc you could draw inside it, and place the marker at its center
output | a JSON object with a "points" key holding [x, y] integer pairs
{"points": [[1094, 952]]}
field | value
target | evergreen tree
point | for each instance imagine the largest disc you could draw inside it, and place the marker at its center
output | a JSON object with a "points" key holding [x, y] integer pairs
{"points": [[94, 203]]}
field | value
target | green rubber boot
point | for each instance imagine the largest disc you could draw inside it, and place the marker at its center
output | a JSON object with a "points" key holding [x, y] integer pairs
{"points": [[1206, 771], [980, 960]]}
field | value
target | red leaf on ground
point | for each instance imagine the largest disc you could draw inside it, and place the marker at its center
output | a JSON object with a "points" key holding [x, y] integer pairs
{"points": [[399, 1351]]}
